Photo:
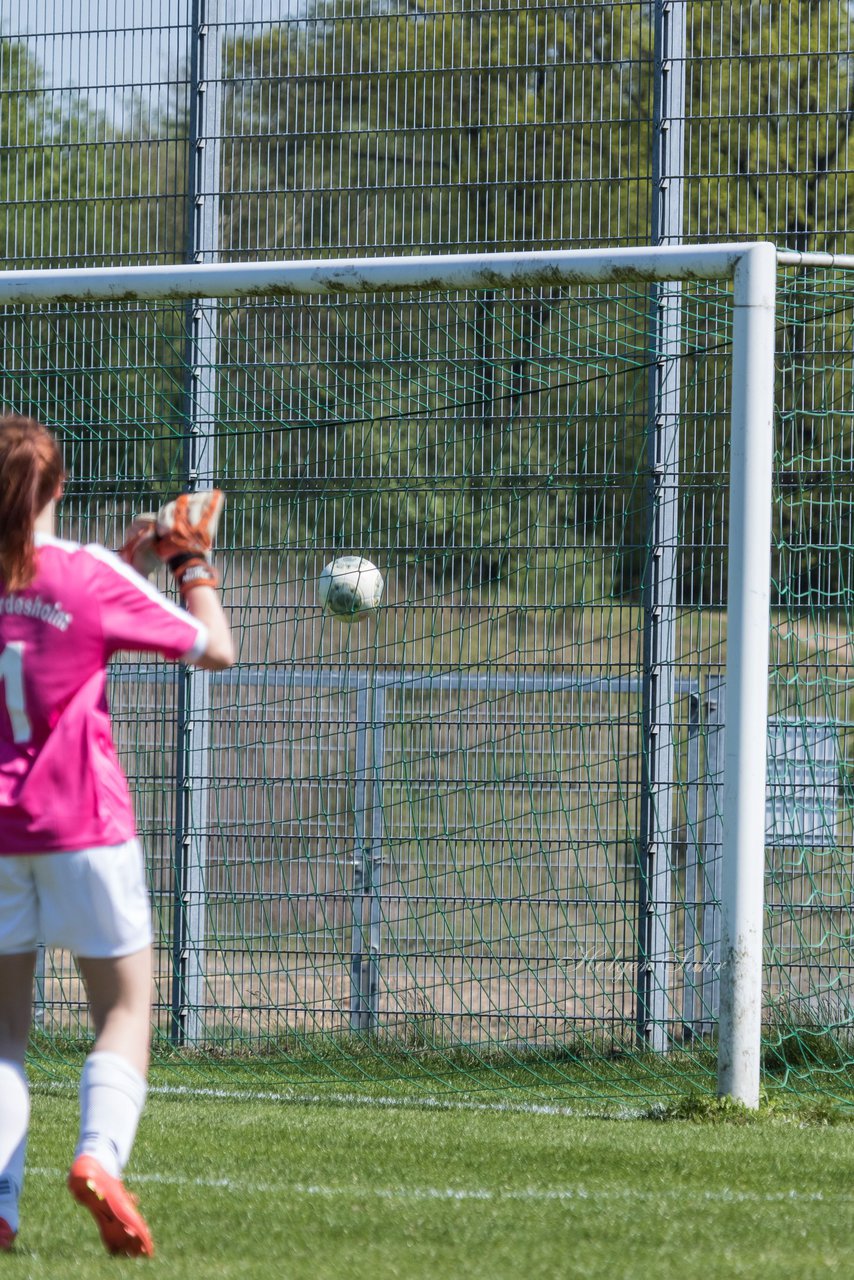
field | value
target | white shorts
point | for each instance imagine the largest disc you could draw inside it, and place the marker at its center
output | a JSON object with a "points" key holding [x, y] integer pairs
{"points": [[92, 902]]}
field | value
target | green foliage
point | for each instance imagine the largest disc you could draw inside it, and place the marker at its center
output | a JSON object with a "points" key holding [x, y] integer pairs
{"points": [[807, 1038], [371, 129], [448, 130], [85, 195], [417, 130], [382, 129], [822, 1112], [701, 1108], [428, 130], [705, 1109], [772, 121], [77, 192]]}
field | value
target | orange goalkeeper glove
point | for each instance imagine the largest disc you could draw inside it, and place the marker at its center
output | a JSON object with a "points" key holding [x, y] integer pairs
{"points": [[138, 549], [185, 530]]}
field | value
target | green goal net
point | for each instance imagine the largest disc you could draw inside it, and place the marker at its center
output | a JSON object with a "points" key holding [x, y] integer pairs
{"points": [[411, 850]]}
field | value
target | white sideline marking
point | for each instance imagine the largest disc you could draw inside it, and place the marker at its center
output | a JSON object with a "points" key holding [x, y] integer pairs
{"points": [[428, 1102], [725, 1195]]}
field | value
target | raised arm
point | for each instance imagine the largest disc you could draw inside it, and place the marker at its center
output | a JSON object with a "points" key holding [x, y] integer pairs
{"points": [[204, 604], [181, 535]]}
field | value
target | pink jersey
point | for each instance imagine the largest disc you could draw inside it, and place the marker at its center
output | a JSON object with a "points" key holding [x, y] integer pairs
{"points": [[61, 784]]}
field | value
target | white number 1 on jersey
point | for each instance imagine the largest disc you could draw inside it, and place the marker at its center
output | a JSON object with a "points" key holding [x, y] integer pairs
{"points": [[12, 676]]}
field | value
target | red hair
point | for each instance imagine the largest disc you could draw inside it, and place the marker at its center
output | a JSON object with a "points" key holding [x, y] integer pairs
{"points": [[30, 474]]}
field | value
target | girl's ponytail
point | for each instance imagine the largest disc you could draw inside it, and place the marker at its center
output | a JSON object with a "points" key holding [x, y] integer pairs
{"points": [[30, 472]]}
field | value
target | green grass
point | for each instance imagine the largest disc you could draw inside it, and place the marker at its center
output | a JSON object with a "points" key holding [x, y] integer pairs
{"points": [[588, 1074], [802, 1066], [265, 1189]]}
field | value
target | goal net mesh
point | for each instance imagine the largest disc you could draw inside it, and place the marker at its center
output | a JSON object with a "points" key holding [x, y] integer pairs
{"points": [[419, 839]]}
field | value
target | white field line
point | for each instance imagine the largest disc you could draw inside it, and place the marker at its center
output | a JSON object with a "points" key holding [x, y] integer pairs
{"points": [[724, 1195], [428, 1102]]}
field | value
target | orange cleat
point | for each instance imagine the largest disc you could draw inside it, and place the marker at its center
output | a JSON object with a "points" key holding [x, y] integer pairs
{"points": [[7, 1236], [123, 1229]]}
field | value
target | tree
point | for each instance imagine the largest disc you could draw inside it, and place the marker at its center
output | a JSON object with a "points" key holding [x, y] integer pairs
{"points": [[388, 127], [387, 130], [77, 193], [774, 157]]}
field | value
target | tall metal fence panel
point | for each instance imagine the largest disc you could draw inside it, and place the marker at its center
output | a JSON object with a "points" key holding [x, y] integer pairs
{"points": [[541, 477]]}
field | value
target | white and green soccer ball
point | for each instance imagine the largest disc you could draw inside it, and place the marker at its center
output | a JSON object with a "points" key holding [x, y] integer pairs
{"points": [[350, 588]]}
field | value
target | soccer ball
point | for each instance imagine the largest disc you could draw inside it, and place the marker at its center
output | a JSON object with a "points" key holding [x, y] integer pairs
{"points": [[350, 588]]}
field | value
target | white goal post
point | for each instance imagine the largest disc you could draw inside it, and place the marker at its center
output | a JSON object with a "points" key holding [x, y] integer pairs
{"points": [[752, 269]]}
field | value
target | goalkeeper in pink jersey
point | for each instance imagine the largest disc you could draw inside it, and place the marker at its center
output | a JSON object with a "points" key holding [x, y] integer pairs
{"points": [[71, 866]]}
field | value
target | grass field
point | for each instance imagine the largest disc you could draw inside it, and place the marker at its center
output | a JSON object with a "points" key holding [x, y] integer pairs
{"points": [[379, 1187]]}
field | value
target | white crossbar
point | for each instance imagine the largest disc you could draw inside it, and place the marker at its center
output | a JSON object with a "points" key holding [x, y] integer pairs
{"points": [[367, 275]]}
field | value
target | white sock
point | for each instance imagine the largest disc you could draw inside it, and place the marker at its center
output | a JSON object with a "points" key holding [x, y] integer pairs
{"points": [[14, 1122], [112, 1095]]}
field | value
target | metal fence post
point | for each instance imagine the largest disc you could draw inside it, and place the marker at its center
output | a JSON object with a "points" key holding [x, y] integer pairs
{"points": [[367, 859], [710, 844], [693, 867], [655, 1012], [40, 976], [194, 695]]}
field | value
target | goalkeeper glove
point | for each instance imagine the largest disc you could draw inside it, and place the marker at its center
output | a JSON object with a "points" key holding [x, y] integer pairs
{"points": [[181, 534], [137, 549], [185, 530]]}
